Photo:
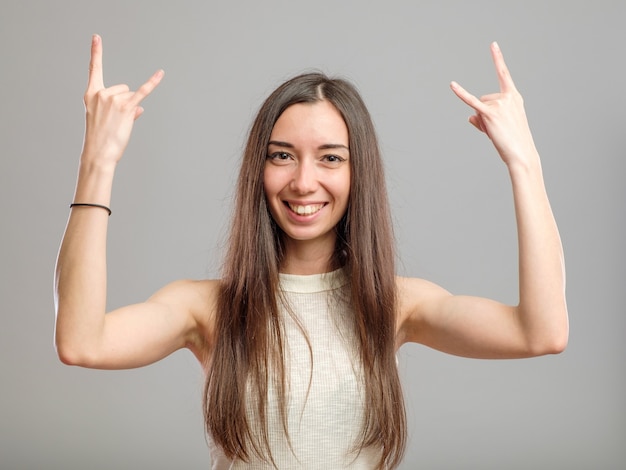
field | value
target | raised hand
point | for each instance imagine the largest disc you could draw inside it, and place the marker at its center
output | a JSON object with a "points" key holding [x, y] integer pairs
{"points": [[111, 111], [501, 115]]}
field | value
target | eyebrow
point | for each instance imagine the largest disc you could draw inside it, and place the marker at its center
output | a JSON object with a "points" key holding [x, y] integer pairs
{"points": [[279, 143]]}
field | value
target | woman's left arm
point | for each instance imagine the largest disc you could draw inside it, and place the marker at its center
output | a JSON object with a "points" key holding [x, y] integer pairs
{"points": [[479, 327]]}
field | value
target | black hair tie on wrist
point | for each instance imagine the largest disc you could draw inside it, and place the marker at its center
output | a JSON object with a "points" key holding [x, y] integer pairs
{"points": [[86, 204]]}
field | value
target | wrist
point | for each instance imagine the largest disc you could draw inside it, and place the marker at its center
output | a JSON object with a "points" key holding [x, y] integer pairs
{"points": [[527, 162], [526, 173], [96, 167], [95, 181]]}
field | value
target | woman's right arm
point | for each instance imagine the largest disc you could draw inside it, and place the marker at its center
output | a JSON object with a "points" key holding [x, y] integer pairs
{"points": [[138, 334]]}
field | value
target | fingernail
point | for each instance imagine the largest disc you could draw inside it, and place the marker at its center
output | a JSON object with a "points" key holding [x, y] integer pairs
{"points": [[495, 46]]}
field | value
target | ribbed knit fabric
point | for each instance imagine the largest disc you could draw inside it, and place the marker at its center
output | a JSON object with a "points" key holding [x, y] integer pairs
{"points": [[325, 419]]}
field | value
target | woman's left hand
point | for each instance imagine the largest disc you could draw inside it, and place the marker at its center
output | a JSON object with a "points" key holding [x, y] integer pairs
{"points": [[478, 327], [501, 115]]}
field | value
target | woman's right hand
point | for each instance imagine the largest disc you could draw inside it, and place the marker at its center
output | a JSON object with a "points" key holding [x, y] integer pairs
{"points": [[110, 112], [177, 316]]}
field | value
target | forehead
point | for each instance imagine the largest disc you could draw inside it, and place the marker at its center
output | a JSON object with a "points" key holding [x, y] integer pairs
{"points": [[315, 123]]}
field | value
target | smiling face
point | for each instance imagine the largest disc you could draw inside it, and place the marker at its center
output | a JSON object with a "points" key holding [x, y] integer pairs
{"points": [[307, 174]]}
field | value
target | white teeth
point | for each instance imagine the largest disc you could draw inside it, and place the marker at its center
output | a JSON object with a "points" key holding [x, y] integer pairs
{"points": [[306, 210]]}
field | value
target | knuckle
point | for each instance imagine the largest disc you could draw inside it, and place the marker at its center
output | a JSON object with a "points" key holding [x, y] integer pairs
{"points": [[145, 88], [101, 95], [118, 101]]}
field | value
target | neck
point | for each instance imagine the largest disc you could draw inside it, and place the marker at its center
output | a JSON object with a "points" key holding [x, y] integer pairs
{"points": [[308, 256]]}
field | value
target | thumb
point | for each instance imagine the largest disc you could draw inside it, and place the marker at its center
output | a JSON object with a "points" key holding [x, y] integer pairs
{"points": [[138, 111], [477, 122]]}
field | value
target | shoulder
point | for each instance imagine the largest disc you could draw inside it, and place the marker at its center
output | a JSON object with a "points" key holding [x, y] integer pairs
{"points": [[196, 301], [416, 298]]}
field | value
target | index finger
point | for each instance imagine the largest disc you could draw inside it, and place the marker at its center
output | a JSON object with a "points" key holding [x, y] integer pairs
{"points": [[96, 79], [502, 71]]}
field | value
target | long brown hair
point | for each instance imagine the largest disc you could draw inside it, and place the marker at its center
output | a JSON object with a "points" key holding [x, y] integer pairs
{"points": [[248, 351]]}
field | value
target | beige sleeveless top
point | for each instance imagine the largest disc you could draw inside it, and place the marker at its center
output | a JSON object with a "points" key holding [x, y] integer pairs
{"points": [[324, 424]]}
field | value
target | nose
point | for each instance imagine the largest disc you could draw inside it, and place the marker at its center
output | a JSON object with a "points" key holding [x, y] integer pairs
{"points": [[304, 179]]}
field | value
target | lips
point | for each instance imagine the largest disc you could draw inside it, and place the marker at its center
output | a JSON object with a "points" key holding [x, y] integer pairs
{"points": [[305, 209]]}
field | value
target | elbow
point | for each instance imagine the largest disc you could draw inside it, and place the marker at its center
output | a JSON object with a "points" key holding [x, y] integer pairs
{"points": [[71, 355], [556, 345], [561, 344], [551, 334], [75, 346], [66, 359], [560, 335], [68, 356], [552, 343], [65, 349]]}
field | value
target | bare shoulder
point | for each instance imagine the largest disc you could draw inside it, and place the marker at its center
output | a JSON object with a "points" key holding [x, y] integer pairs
{"points": [[197, 300], [415, 298]]}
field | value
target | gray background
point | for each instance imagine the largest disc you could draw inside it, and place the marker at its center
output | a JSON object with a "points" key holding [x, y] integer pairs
{"points": [[450, 195]]}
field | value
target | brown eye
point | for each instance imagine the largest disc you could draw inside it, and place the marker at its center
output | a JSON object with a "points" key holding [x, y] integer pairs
{"points": [[279, 156], [333, 158]]}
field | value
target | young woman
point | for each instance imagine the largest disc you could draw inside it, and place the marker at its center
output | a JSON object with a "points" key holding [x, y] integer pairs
{"points": [[298, 338]]}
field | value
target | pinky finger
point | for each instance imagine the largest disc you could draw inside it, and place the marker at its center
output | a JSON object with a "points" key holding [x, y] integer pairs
{"points": [[148, 87], [467, 97]]}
